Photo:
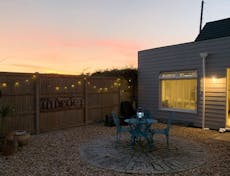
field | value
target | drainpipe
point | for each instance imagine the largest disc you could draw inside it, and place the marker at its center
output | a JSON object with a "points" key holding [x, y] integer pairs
{"points": [[203, 57]]}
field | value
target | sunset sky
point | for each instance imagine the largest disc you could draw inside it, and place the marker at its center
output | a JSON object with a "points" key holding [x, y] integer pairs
{"points": [[80, 36]]}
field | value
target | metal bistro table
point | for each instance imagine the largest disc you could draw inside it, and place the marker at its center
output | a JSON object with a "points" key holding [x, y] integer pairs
{"points": [[140, 127]]}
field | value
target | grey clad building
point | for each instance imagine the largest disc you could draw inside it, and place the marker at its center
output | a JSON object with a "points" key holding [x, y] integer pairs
{"points": [[192, 79]]}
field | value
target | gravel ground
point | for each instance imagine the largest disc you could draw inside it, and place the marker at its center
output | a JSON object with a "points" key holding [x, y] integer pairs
{"points": [[57, 153]]}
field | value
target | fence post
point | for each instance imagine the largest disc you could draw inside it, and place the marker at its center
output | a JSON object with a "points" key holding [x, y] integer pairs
{"points": [[119, 99], [85, 116], [37, 103]]}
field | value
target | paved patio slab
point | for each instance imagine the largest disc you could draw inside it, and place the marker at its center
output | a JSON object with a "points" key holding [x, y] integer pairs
{"points": [[119, 156]]}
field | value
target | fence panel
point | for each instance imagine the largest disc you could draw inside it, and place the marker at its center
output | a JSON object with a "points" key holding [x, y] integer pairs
{"points": [[45, 102], [18, 92], [103, 98], [61, 102]]}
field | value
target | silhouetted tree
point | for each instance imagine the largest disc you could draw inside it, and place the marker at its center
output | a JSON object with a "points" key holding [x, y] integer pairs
{"points": [[129, 74]]}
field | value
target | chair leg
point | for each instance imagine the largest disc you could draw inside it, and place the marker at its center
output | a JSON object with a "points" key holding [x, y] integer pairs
{"points": [[167, 140], [117, 136]]}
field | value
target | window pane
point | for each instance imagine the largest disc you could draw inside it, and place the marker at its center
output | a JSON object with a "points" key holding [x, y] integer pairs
{"points": [[178, 75], [179, 94]]}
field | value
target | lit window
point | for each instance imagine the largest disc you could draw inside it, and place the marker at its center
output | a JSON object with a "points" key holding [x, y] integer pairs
{"points": [[179, 90]]}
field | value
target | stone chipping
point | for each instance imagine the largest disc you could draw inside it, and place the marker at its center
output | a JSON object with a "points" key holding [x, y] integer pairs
{"points": [[57, 153]]}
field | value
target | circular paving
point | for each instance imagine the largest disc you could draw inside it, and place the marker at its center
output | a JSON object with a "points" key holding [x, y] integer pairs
{"points": [[119, 156]]}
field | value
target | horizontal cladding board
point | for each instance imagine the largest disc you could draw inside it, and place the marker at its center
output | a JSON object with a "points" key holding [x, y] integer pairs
{"points": [[178, 114], [178, 51], [217, 73], [214, 119], [187, 58], [219, 64], [218, 83], [217, 107], [172, 57], [149, 98], [219, 111], [175, 62], [215, 89], [216, 98], [223, 103], [148, 83], [220, 67], [215, 94], [179, 119], [154, 66]]}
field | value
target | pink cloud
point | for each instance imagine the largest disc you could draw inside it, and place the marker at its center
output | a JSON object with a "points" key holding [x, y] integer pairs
{"points": [[102, 43], [35, 37], [127, 48]]}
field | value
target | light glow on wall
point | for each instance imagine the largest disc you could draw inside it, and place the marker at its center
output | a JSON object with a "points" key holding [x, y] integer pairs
{"points": [[214, 79]]}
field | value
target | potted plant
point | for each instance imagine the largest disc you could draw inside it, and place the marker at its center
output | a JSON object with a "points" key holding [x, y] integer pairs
{"points": [[22, 137]]}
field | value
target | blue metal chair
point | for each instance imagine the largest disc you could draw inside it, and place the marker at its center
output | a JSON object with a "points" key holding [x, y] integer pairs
{"points": [[147, 114], [119, 129], [165, 131]]}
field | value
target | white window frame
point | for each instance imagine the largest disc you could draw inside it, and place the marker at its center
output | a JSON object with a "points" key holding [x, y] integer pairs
{"points": [[177, 75]]}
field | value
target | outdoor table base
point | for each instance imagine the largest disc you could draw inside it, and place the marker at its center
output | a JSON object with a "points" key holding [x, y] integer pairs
{"points": [[140, 128]]}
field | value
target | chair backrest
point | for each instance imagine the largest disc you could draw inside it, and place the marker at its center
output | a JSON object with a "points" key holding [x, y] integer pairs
{"points": [[147, 114], [116, 120], [170, 118]]}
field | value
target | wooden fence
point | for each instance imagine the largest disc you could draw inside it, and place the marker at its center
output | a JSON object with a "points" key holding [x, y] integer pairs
{"points": [[44, 102]]}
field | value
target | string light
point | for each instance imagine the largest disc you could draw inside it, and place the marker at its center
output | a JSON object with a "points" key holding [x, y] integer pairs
{"points": [[57, 88], [16, 84], [34, 76], [115, 84], [4, 84]]}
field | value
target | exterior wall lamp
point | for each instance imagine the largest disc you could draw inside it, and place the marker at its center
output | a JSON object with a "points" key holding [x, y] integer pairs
{"points": [[203, 56]]}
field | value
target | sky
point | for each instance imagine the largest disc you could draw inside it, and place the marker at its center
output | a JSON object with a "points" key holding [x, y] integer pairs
{"points": [[82, 36]]}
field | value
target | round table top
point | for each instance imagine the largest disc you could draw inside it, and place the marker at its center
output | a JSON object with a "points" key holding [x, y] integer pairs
{"points": [[142, 120]]}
